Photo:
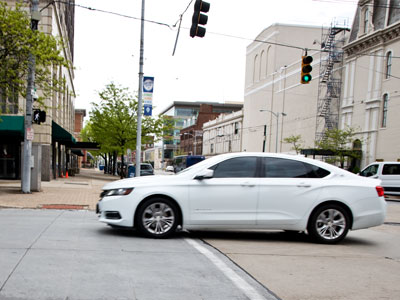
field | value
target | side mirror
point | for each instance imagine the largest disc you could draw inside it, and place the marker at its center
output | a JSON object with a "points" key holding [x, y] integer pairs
{"points": [[204, 174]]}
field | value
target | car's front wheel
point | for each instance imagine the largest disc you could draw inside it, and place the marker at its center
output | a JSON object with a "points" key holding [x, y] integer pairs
{"points": [[157, 218], [329, 224]]}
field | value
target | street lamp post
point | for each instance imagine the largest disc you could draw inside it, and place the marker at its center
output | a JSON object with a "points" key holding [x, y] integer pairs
{"points": [[277, 123]]}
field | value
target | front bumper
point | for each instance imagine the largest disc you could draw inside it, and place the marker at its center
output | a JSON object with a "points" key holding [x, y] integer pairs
{"points": [[116, 210]]}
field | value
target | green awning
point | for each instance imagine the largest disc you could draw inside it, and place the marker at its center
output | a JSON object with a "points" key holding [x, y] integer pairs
{"points": [[77, 152], [12, 125], [60, 135]]}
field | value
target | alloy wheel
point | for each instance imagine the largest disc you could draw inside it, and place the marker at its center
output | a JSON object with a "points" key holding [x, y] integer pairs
{"points": [[158, 218], [330, 224]]}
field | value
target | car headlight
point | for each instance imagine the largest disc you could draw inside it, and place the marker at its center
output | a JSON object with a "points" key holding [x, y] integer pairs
{"points": [[117, 192]]}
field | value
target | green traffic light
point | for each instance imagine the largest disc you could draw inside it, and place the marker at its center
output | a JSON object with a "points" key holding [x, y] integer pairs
{"points": [[306, 78]]}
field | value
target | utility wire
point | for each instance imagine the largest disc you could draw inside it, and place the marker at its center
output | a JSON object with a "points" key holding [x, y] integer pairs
{"points": [[108, 12], [214, 33], [179, 27], [356, 3]]}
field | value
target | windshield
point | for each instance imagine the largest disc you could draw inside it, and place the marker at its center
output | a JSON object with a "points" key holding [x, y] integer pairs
{"points": [[201, 165]]}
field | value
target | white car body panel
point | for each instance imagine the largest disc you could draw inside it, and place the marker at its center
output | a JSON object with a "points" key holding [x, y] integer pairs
{"points": [[288, 208], [218, 201]]}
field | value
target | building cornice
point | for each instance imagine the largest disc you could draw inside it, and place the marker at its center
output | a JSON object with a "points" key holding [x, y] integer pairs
{"points": [[373, 40]]}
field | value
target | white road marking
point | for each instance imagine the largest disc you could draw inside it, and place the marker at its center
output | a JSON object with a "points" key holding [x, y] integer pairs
{"points": [[247, 289]]}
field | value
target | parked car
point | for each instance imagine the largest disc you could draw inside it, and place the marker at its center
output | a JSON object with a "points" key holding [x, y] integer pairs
{"points": [[145, 170], [182, 162], [388, 172], [247, 191], [169, 169]]}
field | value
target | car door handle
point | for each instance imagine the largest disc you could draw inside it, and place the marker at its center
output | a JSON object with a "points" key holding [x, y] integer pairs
{"points": [[248, 184], [304, 185]]}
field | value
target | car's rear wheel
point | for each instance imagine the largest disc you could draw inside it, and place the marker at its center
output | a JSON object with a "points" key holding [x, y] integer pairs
{"points": [[157, 218], [329, 224]]}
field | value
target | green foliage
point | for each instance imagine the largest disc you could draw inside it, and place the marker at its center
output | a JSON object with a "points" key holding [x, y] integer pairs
{"points": [[296, 142], [340, 141], [17, 43], [113, 122]]}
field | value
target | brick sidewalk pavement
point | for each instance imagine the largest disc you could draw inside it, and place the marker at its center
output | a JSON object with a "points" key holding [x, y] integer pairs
{"points": [[76, 192]]}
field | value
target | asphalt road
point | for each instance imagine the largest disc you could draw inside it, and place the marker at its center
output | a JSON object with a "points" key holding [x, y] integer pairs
{"points": [[62, 254]]}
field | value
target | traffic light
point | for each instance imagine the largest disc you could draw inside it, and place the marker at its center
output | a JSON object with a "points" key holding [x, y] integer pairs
{"points": [[306, 69], [39, 116], [199, 18]]}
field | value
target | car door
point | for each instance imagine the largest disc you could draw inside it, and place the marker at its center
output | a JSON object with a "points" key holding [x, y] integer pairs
{"points": [[288, 189], [391, 178], [229, 198]]}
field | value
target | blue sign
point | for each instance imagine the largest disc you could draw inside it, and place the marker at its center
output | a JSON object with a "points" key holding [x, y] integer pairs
{"points": [[148, 84], [148, 110]]}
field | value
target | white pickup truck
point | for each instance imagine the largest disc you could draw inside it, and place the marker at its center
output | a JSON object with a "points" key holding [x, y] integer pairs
{"points": [[388, 172]]}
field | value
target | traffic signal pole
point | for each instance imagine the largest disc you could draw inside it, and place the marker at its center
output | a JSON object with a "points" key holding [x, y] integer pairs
{"points": [[140, 100], [26, 168]]}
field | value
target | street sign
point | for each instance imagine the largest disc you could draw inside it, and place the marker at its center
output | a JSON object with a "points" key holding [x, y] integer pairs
{"points": [[148, 86], [148, 110], [29, 134]]}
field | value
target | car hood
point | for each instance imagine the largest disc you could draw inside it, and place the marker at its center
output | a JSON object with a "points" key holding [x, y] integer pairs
{"points": [[140, 181]]}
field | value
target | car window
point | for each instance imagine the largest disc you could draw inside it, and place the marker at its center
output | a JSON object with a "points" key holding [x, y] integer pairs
{"points": [[236, 167], [286, 168], [146, 167], [316, 172], [391, 169], [370, 171]]}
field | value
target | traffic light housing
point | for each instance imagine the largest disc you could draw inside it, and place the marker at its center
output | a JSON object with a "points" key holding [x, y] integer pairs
{"points": [[199, 18], [39, 116], [306, 69]]}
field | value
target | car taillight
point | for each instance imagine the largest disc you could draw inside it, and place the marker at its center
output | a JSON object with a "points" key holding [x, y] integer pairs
{"points": [[380, 191]]}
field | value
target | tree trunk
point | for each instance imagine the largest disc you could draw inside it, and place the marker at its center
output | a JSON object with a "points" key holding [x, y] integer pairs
{"points": [[123, 169]]}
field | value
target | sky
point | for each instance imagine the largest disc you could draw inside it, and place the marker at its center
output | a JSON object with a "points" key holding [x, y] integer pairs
{"points": [[211, 69]]}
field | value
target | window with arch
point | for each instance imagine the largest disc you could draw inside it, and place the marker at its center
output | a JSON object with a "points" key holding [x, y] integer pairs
{"points": [[256, 69], [267, 66], [384, 110], [388, 65], [263, 65], [366, 20]]}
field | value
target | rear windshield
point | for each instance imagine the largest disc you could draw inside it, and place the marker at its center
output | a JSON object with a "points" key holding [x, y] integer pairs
{"points": [[146, 167]]}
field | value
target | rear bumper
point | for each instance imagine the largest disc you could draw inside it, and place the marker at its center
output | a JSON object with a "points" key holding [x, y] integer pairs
{"points": [[371, 217]]}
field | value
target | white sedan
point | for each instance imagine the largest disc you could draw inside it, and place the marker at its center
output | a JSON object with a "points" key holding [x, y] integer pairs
{"points": [[247, 191]]}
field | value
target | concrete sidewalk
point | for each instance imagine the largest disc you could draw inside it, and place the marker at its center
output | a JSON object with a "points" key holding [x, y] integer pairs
{"points": [[76, 192]]}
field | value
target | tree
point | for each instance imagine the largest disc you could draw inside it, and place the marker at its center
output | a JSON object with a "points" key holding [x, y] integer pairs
{"points": [[113, 122], [339, 141], [296, 142], [17, 42]]}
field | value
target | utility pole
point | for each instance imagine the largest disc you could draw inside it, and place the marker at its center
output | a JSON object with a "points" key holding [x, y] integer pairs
{"points": [[26, 171], [140, 100]]}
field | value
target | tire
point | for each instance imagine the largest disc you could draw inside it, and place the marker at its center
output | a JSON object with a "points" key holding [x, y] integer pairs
{"points": [[329, 224], [157, 218]]}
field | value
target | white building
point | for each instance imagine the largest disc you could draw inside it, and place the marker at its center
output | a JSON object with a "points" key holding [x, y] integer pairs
{"points": [[273, 89], [371, 94], [224, 134]]}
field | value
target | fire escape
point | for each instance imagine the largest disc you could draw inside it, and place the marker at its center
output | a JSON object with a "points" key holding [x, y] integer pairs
{"points": [[330, 80]]}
